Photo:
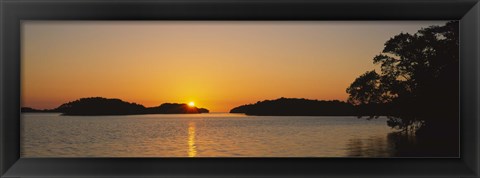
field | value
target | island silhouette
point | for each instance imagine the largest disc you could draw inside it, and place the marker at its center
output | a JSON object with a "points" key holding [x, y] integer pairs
{"points": [[307, 107], [97, 106], [297, 107]]}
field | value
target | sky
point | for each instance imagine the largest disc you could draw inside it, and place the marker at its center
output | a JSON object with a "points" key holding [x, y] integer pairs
{"points": [[216, 64]]}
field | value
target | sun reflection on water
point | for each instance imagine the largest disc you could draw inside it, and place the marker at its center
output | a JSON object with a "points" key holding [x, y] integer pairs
{"points": [[192, 148]]}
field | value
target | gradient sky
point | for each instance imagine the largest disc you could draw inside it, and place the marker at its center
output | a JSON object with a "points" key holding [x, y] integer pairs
{"points": [[218, 65]]}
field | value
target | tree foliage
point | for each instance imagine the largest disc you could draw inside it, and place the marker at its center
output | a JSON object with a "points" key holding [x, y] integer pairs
{"points": [[418, 78]]}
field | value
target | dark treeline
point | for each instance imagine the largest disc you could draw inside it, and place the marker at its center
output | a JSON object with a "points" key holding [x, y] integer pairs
{"points": [[305, 107], [418, 82], [175, 108], [104, 106], [28, 109], [418, 86]]}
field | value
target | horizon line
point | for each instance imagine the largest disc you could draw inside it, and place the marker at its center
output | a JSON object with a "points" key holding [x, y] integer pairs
{"points": [[23, 106]]}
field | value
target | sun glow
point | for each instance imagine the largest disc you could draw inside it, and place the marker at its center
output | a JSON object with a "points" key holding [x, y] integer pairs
{"points": [[191, 104]]}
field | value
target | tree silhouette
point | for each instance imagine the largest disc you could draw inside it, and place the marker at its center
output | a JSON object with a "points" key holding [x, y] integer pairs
{"points": [[296, 107], [366, 89], [418, 83], [176, 108], [98, 106]]}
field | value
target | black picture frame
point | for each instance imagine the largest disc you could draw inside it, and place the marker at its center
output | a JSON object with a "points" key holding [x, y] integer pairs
{"points": [[14, 11]]}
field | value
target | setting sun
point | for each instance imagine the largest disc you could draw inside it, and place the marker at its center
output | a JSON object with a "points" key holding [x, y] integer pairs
{"points": [[191, 104]]}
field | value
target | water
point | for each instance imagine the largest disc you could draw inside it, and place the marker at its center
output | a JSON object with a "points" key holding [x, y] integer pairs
{"points": [[203, 135]]}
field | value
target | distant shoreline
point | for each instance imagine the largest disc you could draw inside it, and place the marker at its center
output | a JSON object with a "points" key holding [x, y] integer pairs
{"points": [[98, 106], [210, 113], [307, 107], [114, 114]]}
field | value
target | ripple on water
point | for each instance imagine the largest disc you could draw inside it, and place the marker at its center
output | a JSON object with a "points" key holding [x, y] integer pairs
{"points": [[203, 135]]}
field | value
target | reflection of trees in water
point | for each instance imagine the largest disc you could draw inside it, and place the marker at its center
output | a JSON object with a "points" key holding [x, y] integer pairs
{"points": [[374, 146], [400, 144], [422, 146]]}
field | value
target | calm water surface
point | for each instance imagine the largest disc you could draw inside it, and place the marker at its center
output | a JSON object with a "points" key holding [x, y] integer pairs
{"points": [[202, 135]]}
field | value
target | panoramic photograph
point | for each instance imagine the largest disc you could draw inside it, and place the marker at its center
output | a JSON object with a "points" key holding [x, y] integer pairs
{"points": [[375, 89]]}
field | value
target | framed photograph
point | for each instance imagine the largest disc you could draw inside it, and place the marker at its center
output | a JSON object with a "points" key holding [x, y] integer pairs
{"points": [[239, 88]]}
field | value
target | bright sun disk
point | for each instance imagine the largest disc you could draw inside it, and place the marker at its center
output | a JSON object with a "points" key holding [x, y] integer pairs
{"points": [[191, 104]]}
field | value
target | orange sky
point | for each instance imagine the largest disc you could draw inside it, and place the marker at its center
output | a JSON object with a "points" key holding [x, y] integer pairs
{"points": [[218, 65]]}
